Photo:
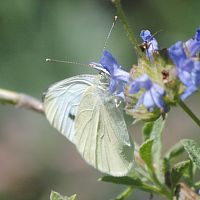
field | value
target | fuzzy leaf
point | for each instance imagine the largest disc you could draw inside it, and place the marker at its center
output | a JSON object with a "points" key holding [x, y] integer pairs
{"points": [[146, 153], [167, 172], [146, 130], [193, 151], [125, 180], [180, 170], [154, 130], [175, 151], [156, 135], [56, 196]]}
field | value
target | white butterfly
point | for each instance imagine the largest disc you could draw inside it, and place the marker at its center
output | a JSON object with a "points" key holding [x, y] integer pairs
{"points": [[84, 111]]}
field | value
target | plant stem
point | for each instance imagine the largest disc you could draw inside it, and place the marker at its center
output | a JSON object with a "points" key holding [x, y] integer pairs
{"points": [[189, 112], [157, 190], [152, 178], [163, 189], [125, 194], [127, 28], [21, 100]]}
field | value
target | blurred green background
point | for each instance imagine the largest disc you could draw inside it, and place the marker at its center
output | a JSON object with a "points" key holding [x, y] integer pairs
{"points": [[34, 158]]}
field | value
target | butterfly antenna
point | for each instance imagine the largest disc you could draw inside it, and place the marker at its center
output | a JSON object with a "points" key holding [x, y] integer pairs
{"points": [[92, 65], [156, 33], [65, 61], [109, 33]]}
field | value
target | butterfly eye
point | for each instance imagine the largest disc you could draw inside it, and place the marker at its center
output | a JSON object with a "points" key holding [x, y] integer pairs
{"points": [[104, 80]]}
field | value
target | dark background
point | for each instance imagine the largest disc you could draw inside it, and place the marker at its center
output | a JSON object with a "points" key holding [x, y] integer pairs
{"points": [[34, 157]]}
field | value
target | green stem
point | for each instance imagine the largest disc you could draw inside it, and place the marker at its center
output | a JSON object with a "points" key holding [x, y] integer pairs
{"points": [[163, 189], [157, 190], [189, 112], [125, 194], [127, 28], [151, 176], [156, 187]]}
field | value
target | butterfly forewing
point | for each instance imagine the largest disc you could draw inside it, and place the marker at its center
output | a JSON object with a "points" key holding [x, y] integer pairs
{"points": [[62, 100], [101, 135]]}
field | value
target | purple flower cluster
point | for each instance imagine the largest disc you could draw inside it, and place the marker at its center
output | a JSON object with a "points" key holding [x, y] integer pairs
{"points": [[186, 58], [149, 91], [151, 98]]}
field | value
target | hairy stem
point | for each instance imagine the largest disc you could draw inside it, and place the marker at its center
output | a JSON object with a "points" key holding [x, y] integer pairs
{"points": [[189, 112], [127, 28], [21, 100]]}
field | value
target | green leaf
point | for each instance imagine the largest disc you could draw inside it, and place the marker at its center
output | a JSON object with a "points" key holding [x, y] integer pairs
{"points": [[133, 182], [154, 130], [180, 170], [146, 130], [175, 151], [73, 197], [146, 153], [197, 184], [156, 135], [56, 196], [125, 180], [167, 172], [193, 151]]}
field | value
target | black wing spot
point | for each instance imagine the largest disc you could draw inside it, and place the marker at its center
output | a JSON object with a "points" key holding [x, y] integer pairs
{"points": [[71, 116]]}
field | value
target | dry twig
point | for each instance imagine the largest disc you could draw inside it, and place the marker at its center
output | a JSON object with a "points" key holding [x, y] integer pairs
{"points": [[21, 100]]}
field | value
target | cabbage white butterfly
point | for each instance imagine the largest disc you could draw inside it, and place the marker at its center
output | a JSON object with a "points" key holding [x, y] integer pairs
{"points": [[83, 110]]}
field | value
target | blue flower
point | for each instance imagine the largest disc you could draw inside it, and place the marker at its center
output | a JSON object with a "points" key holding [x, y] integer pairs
{"points": [[187, 65], [193, 44], [177, 53], [150, 42], [152, 96], [118, 77], [189, 74]]}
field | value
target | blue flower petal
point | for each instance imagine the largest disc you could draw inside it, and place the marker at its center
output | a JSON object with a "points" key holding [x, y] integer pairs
{"points": [[148, 101], [189, 90], [121, 75], [151, 43], [187, 66], [145, 35], [197, 34], [157, 92], [112, 86], [141, 82], [177, 53], [118, 77], [152, 96], [193, 44], [109, 62]]}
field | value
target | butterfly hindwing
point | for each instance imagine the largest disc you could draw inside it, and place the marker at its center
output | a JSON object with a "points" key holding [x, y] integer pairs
{"points": [[101, 135]]}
